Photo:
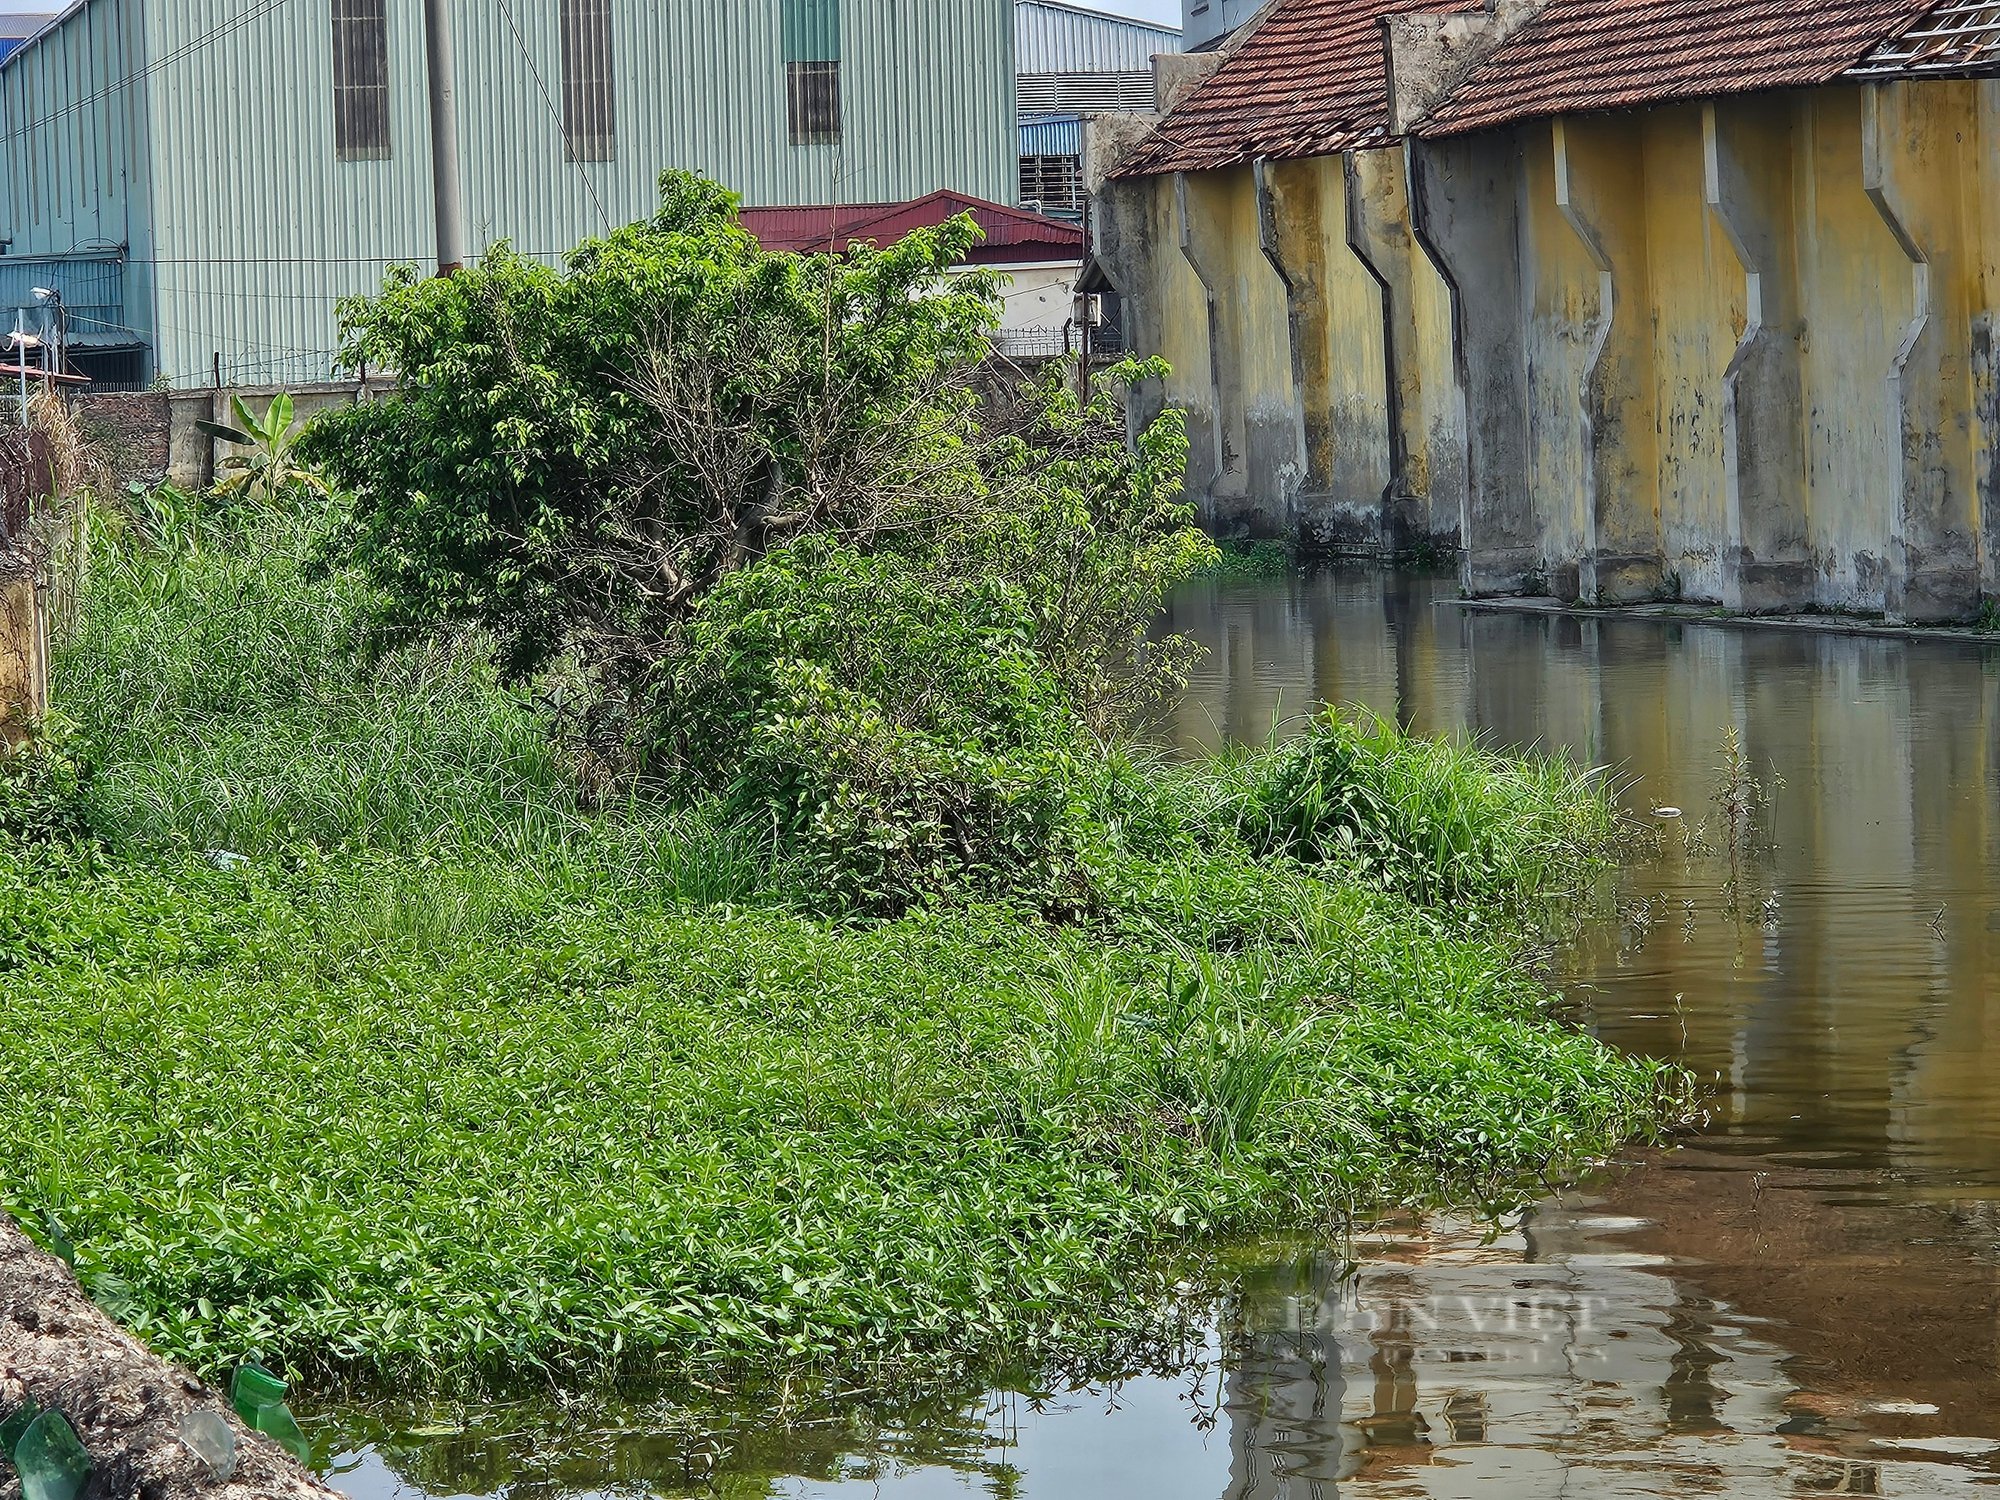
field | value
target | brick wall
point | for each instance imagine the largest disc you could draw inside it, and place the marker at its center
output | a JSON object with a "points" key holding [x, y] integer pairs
{"points": [[132, 433]]}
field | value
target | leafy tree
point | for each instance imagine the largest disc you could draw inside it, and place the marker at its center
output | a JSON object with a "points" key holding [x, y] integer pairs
{"points": [[572, 458], [754, 498]]}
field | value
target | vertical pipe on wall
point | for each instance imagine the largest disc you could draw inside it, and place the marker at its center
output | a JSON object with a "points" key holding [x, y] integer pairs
{"points": [[444, 137]]}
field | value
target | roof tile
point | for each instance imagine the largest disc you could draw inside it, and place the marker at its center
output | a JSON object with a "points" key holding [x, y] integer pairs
{"points": [[1615, 54], [1311, 79]]}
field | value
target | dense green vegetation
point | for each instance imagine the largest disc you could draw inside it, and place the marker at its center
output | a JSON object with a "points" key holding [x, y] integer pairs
{"points": [[457, 1075], [586, 897]]}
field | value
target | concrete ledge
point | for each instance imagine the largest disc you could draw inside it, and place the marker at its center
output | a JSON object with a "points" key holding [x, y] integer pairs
{"points": [[1695, 614]]}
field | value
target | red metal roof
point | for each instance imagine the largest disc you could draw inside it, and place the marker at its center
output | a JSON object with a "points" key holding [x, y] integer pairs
{"points": [[1310, 79], [1615, 54], [1013, 235]]}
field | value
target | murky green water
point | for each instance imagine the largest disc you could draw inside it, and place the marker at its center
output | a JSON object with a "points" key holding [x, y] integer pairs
{"points": [[1804, 1299]]}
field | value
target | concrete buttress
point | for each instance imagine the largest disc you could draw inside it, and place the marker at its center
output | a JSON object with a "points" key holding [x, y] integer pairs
{"points": [[1747, 151], [1465, 208], [1258, 464], [1600, 190], [1916, 172], [1424, 405], [1337, 355]]}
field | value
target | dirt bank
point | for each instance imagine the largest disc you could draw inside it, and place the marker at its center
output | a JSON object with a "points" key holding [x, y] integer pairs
{"points": [[127, 1404]]}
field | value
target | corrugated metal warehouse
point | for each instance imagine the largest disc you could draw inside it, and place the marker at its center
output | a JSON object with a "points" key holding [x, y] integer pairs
{"points": [[1076, 60], [203, 180]]}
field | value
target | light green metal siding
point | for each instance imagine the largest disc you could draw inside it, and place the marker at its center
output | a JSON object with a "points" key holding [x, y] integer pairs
{"points": [[256, 230], [73, 199]]}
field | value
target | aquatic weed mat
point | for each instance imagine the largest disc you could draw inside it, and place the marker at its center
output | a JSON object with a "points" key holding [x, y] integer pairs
{"points": [[551, 1129]]}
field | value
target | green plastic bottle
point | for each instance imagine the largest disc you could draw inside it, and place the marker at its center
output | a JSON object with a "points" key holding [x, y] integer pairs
{"points": [[50, 1459], [259, 1399], [16, 1424]]}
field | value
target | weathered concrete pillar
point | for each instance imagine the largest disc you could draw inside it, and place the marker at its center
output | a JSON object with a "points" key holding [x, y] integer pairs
{"points": [[1138, 243], [24, 656], [1337, 358], [1855, 290], [1914, 169], [1258, 463], [1424, 405], [1600, 191], [1985, 188], [1126, 245], [1465, 198], [1747, 150]]}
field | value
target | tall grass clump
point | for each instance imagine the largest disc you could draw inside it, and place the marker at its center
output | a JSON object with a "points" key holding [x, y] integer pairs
{"points": [[1437, 819]]}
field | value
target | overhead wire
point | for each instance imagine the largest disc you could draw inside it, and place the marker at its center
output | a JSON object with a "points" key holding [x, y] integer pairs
{"points": [[255, 11], [562, 125]]}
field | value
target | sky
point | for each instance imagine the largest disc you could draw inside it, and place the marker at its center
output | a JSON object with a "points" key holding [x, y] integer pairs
{"points": [[1151, 10]]}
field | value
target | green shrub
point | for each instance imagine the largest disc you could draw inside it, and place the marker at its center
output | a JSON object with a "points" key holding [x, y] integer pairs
{"points": [[44, 787], [1436, 819]]}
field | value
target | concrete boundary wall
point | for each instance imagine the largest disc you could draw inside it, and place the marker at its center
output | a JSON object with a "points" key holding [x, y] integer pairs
{"points": [[148, 437], [1738, 352]]}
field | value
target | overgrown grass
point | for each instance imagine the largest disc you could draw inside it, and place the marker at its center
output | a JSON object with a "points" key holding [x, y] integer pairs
{"points": [[455, 1075]]}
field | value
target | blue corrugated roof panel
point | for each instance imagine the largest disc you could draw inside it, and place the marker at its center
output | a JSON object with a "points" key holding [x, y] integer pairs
{"points": [[1051, 135]]}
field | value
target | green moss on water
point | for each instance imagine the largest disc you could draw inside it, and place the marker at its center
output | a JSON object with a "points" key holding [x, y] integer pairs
{"points": [[448, 1074]]}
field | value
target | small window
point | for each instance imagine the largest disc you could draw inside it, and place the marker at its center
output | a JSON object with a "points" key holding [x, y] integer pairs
{"points": [[813, 103], [812, 71], [590, 102], [361, 80]]}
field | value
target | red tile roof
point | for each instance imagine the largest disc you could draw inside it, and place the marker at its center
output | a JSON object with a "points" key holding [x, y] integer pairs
{"points": [[1615, 54], [1311, 79], [1013, 235]]}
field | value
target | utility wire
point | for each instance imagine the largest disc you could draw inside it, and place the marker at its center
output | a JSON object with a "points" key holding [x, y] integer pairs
{"points": [[562, 127], [256, 11]]}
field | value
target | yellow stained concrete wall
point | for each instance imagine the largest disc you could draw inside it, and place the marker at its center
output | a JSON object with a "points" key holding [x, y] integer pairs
{"points": [[1428, 411], [1257, 406], [1921, 154], [1602, 191], [1984, 334], [1563, 302], [1696, 295], [1172, 315], [1742, 352], [1855, 290], [1338, 353]]}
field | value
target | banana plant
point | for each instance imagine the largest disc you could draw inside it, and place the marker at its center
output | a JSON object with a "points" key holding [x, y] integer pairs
{"points": [[263, 466]]}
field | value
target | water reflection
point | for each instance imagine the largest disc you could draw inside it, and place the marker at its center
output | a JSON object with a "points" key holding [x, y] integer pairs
{"points": [[1803, 1300]]}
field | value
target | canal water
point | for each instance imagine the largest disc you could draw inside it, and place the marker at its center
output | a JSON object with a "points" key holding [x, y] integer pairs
{"points": [[1802, 1298]]}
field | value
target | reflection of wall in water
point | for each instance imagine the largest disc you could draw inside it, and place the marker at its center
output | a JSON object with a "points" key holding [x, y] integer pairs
{"points": [[1852, 1022]]}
